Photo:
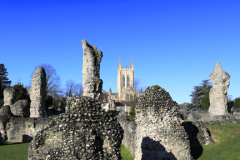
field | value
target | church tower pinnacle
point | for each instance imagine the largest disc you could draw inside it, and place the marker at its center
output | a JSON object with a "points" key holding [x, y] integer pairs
{"points": [[131, 64], [119, 63]]}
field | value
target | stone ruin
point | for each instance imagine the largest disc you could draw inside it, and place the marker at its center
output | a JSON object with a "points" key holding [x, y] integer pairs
{"points": [[8, 94], [21, 108], [5, 115], [91, 83], [85, 131], [19, 129], [218, 112], [37, 93], [218, 93], [158, 131], [111, 100], [129, 128], [15, 123]]}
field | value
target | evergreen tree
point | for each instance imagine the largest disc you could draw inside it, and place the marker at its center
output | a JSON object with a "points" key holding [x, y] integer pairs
{"points": [[4, 81], [132, 110], [205, 101], [237, 103], [198, 93], [20, 93]]}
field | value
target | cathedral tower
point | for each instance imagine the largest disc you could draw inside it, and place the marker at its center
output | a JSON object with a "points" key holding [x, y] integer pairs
{"points": [[125, 82]]}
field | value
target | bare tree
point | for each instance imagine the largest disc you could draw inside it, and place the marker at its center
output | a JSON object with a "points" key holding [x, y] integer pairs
{"points": [[138, 86], [52, 79], [79, 89], [71, 88]]}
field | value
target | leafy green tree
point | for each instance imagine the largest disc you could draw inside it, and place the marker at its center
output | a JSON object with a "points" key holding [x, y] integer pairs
{"points": [[205, 101], [198, 94], [237, 103], [4, 81], [20, 93], [132, 113]]}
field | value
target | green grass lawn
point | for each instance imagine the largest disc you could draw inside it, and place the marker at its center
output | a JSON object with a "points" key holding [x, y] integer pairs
{"points": [[126, 155], [11, 151], [225, 147], [19, 151]]}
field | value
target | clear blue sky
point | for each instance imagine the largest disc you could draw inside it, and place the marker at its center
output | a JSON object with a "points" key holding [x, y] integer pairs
{"points": [[174, 43]]}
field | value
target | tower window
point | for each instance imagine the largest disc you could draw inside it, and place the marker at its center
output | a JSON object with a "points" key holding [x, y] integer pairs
{"points": [[127, 97], [123, 81], [128, 81], [131, 98]]}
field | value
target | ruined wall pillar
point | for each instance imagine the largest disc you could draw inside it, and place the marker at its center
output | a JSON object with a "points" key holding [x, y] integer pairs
{"points": [[38, 93], [92, 84], [218, 93], [8, 94]]}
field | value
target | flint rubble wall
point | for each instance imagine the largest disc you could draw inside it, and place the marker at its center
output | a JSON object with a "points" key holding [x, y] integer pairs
{"points": [[210, 119], [129, 132], [23, 129]]}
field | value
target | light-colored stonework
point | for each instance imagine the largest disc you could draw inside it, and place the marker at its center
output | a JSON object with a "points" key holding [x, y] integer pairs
{"points": [[125, 83], [23, 129], [218, 93], [5, 115], [21, 108], [92, 84], [111, 101], [8, 94], [159, 133], [129, 131], [37, 93]]}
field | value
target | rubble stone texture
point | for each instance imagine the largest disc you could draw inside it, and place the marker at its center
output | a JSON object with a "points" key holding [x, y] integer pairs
{"points": [[159, 134], [38, 93], [111, 100], [21, 108], [5, 115], [218, 93], [198, 133], [129, 131], [8, 94], [83, 132], [92, 84], [210, 119]]}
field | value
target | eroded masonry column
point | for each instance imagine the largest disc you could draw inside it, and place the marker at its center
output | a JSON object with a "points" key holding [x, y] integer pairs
{"points": [[38, 93], [92, 84], [218, 92]]}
